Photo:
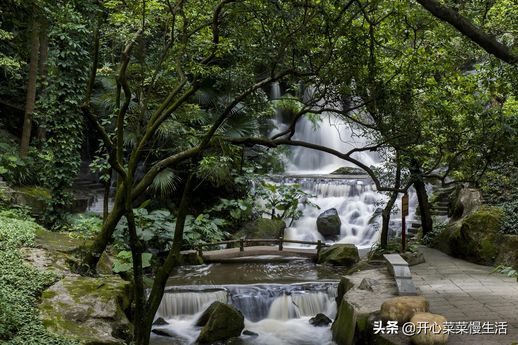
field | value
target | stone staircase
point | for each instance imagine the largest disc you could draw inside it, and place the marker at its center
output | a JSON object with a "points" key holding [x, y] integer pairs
{"points": [[87, 188], [439, 208]]}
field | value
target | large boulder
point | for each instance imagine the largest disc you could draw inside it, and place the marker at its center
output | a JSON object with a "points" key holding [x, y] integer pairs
{"points": [[223, 322], [435, 335], [329, 223], [463, 202], [36, 198], [341, 254], [357, 306], [402, 308], [90, 310], [262, 228], [475, 238]]}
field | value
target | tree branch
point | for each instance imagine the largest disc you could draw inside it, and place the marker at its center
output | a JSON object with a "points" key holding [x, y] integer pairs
{"points": [[251, 141], [474, 33]]}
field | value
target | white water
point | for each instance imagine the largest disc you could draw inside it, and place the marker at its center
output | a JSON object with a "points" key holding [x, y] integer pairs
{"points": [[356, 199], [279, 314]]}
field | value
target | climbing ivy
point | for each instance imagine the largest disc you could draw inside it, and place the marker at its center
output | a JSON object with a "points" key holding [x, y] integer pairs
{"points": [[60, 109]]}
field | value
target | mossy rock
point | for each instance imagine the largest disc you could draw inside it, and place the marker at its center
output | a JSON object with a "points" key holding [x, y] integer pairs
{"points": [[59, 241], [224, 322], [90, 310], [329, 223], [342, 254], [262, 228], [344, 326], [348, 171], [34, 197], [475, 238], [190, 257]]}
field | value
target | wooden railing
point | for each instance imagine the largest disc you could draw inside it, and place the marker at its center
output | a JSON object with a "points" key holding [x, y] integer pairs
{"points": [[244, 241]]}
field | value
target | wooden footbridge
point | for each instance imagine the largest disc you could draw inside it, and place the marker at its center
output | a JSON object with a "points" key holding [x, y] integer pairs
{"points": [[232, 249]]}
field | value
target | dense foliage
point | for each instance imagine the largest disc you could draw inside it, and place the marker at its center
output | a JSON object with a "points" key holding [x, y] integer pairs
{"points": [[21, 284], [174, 98]]}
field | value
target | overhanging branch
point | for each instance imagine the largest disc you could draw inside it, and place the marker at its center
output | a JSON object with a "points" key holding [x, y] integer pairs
{"points": [[474, 33]]}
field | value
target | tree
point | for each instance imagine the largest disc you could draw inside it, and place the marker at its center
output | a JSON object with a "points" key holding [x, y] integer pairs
{"points": [[236, 47], [34, 44], [467, 28]]}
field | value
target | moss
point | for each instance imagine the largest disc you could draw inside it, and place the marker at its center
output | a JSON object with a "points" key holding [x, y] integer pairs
{"points": [[48, 294], [348, 171], [344, 326], [59, 241], [475, 237], [339, 255], [35, 192]]}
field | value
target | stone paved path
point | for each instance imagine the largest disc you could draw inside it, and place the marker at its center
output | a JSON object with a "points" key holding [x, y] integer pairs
{"points": [[463, 291]]}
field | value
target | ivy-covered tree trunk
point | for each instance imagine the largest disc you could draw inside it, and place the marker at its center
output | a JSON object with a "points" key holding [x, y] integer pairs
{"points": [[30, 99]]}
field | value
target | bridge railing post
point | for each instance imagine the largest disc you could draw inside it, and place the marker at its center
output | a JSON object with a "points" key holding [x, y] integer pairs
{"points": [[241, 244], [319, 246], [281, 239]]}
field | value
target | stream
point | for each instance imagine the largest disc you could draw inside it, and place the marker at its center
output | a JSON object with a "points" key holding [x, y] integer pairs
{"points": [[276, 295]]}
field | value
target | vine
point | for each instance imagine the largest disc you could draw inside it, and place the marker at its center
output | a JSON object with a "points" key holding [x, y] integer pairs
{"points": [[60, 109]]}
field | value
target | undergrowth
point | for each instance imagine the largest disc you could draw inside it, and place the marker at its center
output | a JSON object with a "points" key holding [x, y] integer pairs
{"points": [[21, 285]]}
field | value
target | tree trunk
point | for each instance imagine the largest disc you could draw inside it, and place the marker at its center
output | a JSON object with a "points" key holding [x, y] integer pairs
{"points": [[34, 46], [422, 198], [385, 215], [142, 330], [43, 71], [104, 237], [138, 274], [106, 196]]}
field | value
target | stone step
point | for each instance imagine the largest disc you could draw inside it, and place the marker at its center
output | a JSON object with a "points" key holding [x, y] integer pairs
{"points": [[440, 212]]}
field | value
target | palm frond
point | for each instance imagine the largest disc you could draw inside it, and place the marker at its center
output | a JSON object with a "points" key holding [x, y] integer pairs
{"points": [[165, 182]]}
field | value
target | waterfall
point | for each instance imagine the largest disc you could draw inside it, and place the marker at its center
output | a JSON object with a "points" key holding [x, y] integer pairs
{"points": [[189, 302], [329, 132], [256, 302], [355, 198], [278, 313], [283, 308]]}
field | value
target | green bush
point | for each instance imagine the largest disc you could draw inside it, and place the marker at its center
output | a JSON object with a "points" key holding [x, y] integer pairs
{"points": [[20, 286], [84, 225], [430, 238], [510, 219]]}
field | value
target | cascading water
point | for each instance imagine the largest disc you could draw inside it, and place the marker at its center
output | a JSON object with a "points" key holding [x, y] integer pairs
{"points": [[268, 310], [354, 197]]}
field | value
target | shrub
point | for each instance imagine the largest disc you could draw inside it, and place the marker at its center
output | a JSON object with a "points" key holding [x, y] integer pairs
{"points": [[510, 219]]}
